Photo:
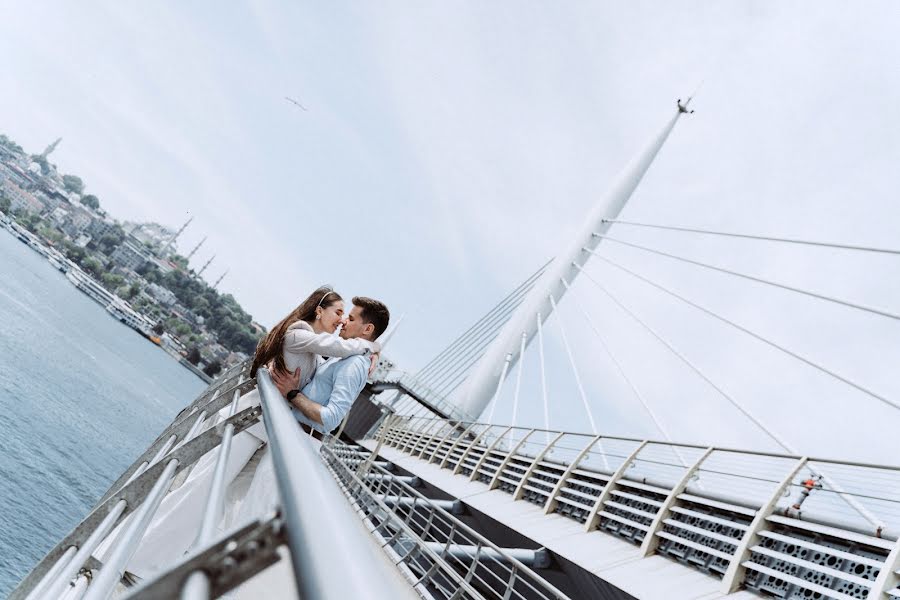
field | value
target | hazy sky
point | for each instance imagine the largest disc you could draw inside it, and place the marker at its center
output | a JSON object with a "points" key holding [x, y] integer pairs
{"points": [[450, 148]]}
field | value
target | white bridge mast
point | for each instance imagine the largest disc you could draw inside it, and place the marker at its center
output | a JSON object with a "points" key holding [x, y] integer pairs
{"points": [[483, 382]]}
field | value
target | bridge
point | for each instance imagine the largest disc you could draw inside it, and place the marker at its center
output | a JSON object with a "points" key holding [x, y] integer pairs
{"points": [[426, 493]]}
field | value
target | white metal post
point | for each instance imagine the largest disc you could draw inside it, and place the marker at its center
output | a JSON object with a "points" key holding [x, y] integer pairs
{"points": [[550, 505], [487, 452], [651, 541], [889, 577], [734, 576], [520, 489], [592, 516]]}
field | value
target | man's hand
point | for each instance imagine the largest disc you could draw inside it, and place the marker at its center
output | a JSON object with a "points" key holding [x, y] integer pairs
{"points": [[286, 382]]}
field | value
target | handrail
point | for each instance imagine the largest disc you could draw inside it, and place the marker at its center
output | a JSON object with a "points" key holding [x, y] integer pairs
{"points": [[321, 525]]}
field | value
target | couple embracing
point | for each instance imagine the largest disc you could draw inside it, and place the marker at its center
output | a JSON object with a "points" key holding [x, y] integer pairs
{"points": [[320, 393], [321, 396]]}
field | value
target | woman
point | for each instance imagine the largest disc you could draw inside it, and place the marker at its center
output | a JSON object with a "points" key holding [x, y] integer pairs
{"points": [[295, 342]]}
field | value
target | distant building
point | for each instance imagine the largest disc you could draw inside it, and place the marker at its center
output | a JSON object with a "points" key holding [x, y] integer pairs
{"points": [[19, 199], [76, 223], [161, 294], [58, 216], [82, 240], [99, 227], [130, 256], [149, 233]]}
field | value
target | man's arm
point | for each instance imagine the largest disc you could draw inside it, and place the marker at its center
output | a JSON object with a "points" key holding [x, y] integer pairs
{"points": [[285, 382], [348, 383], [311, 410]]}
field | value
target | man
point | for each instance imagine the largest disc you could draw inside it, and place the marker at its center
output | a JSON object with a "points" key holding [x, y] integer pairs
{"points": [[325, 401]]}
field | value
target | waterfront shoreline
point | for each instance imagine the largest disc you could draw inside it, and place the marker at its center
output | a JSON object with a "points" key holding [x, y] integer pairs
{"points": [[116, 306]]}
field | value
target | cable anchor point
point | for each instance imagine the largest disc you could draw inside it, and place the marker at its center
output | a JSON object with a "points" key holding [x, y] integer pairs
{"points": [[683, 108]]}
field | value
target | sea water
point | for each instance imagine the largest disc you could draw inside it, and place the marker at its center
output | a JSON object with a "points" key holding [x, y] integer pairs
{"points": [[81, 397]]}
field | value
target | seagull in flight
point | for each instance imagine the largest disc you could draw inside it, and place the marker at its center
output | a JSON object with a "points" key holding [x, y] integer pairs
{"points": [[292, 101]]}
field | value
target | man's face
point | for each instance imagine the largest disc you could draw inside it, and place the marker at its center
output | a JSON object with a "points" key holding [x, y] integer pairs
{"points": [[354, 326]]}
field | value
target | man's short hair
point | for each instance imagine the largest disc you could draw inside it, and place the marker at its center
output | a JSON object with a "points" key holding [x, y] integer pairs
{"points": [[374, 312]]}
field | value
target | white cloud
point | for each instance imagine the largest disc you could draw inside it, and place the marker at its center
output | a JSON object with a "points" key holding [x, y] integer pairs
{"points": [[450, 149]]}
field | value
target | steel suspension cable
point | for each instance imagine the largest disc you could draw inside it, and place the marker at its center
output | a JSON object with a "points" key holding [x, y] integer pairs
{"points": [[616, 363], [540, 335], [479, 338], [565, 339], [862, 307], [512, 297], [515, 412], [756, 237], [866, 514], [499, 388], [757, 336], [781, 443], [458, 364]]}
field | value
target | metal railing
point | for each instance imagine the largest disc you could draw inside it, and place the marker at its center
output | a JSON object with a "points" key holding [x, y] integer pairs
{"points": [[441, 556], [314, 521], [749, 518]]}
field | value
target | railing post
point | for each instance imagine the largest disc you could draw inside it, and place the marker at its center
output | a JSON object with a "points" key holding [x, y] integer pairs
{"points": [[651, 540], [734, 576], [477, 439], [495, 480], [432, 433], [406, 433], [364, 466], [888, 578], [520, 489], [487, 451], [437, 447], [591, 521], [456, 442], [416, 434], [551, 503]]}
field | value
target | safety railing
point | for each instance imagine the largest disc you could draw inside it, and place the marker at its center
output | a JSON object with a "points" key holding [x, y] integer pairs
{"points": [[441, 556], [762, 521], [315, 529]]}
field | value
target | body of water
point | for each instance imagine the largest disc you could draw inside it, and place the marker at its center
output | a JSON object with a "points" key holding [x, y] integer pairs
{"points": [[81, 396]]}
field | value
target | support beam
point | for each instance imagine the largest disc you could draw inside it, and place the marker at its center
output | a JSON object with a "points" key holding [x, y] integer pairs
{"points": [[534, 559], [651, 540], [734, 576], [454, 507], [409, 480]]}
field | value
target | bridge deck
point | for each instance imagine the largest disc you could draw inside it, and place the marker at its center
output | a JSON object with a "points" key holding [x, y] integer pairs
{"points": [[607, 557]]}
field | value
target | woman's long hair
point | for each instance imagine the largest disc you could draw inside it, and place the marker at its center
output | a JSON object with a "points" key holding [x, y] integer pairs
{"points": [[270, 347]]}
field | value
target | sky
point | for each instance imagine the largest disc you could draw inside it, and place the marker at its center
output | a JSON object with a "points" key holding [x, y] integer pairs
{"points": [[449, 149]]}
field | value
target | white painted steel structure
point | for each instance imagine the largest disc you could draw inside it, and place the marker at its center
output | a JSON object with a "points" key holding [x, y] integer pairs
{"points": [[730, 513], [483, 381]]}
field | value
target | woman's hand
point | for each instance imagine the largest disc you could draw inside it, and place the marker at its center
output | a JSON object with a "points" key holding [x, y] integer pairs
{"points": [[374, 358], [286, 381]]}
